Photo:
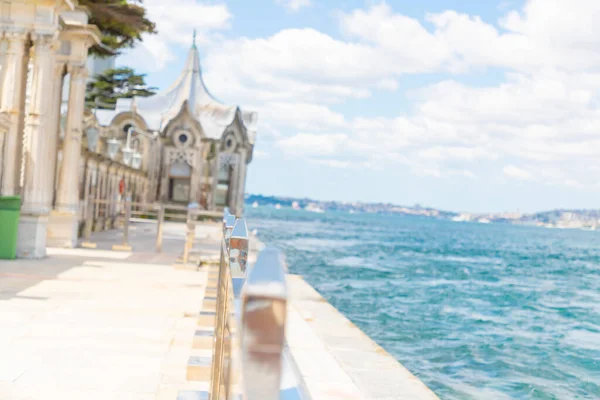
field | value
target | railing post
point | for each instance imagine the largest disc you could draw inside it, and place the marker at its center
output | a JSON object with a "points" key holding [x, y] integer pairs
{"points": [[190, 233], [264, 302], [160, 219], [238, 248], [238, 258]]}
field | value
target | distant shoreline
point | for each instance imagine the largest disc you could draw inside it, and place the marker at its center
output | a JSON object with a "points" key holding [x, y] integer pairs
{"points": [[555, 219]]}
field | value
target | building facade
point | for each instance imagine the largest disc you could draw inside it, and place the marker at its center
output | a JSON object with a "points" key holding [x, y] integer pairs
{"points": [[184, 146], [203, 146]]}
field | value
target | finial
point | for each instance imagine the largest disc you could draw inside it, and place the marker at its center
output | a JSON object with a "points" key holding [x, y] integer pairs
{"points": [[194, 39]]}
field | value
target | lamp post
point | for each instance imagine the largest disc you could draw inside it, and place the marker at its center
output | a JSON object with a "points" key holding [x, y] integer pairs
{"points": [[112, 148], [127, 155], [130, 157], [136, 161]]}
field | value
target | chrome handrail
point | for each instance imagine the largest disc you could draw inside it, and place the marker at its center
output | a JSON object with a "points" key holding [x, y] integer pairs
{"points": [[263, 317], [248, 362], [223, 332]]}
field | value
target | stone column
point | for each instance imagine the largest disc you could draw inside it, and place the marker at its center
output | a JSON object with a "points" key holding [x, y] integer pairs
{"points": [[37, 187], [64, 219], [14, 73], [87, 186], [3, 46], [53, 125], [3, 117]]}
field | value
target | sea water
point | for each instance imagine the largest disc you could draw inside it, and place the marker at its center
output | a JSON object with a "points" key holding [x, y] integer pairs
{"points": [[476, 311]]}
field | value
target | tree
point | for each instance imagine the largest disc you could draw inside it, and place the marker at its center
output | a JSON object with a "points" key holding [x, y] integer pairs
{"points": [[116, 83], [121, 22]]}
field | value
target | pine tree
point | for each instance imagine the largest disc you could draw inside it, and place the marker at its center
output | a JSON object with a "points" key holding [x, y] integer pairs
{"points": [[117, 83], [121, 22]]}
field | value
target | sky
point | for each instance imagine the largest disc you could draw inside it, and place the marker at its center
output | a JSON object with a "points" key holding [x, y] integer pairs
{"points": [[463, 105]]}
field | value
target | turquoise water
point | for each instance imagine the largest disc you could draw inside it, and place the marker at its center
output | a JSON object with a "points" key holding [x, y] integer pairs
{"points": [[477, 311]]}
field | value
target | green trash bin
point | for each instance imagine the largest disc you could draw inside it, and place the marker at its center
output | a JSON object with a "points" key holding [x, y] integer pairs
{"points": [[10, 209]]}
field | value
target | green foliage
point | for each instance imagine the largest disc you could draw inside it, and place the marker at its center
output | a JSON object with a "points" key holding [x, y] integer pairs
{"points": [[116, 83], [121, 22]]}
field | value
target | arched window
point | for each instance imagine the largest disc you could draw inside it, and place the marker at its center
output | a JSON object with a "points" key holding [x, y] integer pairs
{"points": [[126, 128]]}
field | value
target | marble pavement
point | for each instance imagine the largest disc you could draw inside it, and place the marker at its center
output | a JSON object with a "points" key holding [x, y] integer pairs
{"points": [[100, 324]]}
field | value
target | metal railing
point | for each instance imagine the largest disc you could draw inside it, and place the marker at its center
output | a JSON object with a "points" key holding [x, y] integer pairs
{"points": [[248, 362], [111, 213], [249, 331]]}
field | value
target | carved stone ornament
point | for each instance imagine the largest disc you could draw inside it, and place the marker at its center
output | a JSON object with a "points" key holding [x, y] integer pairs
{"points": [[227, 159], [180, 155]]}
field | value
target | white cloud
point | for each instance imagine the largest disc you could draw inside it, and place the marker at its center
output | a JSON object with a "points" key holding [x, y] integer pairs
{"points": [[517, 173], [334, 163], [380, 47], [308, 144], [456, 129], [460, 153], [544, 116], [260, 154], [441, 173], [294, 5], [294, 65], [302, 116], [175, 22]]}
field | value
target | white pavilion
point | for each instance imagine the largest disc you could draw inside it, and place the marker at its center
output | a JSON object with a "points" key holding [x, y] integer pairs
{"points": [[204, 147]]}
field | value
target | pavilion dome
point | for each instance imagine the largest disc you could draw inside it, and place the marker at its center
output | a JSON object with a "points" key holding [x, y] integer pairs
{"points": [[188, 90]]}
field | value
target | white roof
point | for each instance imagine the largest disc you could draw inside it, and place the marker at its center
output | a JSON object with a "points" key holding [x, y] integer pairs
{"points": [[213, 116]]}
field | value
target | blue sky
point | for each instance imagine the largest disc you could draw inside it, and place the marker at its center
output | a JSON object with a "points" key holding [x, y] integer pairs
{"points": [[457, 104]]}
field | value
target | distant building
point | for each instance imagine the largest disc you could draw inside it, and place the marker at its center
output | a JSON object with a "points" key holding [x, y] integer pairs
{"points": [[205, 145]]}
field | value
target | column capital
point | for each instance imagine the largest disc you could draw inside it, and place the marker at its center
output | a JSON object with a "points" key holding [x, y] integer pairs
{"points": [[44, 41], [77, 71], [16, 42]]}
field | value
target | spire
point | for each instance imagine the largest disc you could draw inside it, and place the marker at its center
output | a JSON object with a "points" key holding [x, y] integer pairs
{"points": [[194, 39]]}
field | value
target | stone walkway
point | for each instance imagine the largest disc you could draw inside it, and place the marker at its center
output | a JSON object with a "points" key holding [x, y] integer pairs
{"points": [[101, 324], [98, 324]]}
